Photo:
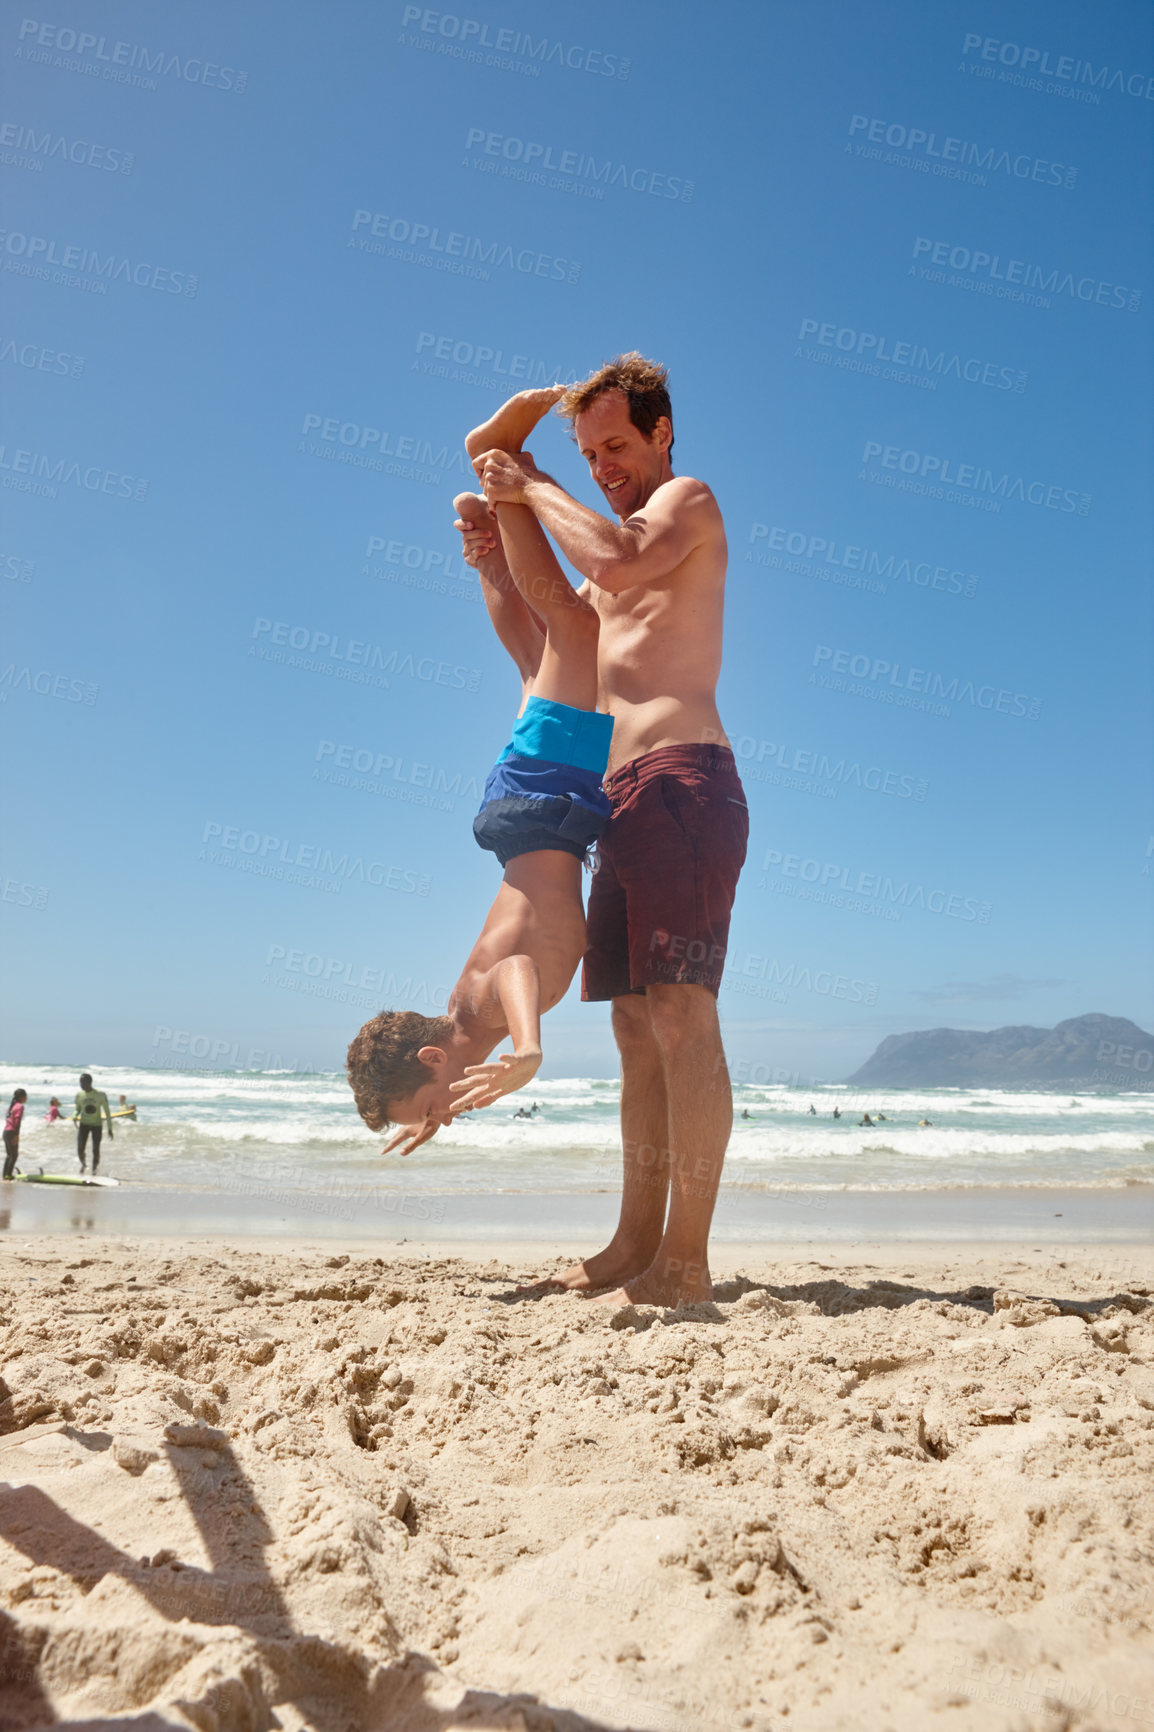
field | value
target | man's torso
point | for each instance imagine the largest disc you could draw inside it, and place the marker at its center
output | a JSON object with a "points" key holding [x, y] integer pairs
{"points": [[659, 654]]}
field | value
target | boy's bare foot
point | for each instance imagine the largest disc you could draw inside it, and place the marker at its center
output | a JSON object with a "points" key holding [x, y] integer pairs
{"points": [[477, 523], [668, 1282], [509, 428], [475, 509]]}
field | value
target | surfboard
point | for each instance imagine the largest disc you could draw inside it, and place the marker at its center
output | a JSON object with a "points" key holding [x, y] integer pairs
{"points": [[62, 1179]]}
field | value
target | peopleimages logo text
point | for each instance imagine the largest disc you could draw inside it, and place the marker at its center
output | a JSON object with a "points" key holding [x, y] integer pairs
{"points": [[577, 164], [80, 151], [455, 250], [361, 976], [923, 681], [1065, 66], [1021, 274], [974, 478], [114, 62], [39, 359], [326, 649], [368, 762], [834, 882], [475, 33], [46, 685], [36, 472], [809, 770], [39, 251], [920, 357], [526, 369], [276, 851], [961, 152], [364, 446], [828, 551]]}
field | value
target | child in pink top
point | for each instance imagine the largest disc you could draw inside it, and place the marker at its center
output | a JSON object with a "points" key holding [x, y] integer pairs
{"points": [[12, 1130]]}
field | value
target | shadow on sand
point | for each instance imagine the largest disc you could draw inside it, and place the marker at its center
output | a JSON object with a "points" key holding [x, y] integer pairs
{"points": [[325, 1685]]}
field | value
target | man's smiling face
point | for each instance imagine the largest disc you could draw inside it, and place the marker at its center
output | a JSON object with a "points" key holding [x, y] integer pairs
{"points": [[627, 467]]}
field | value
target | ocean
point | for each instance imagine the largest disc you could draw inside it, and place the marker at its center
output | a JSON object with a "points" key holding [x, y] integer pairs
{"points": [[284, 1147]]}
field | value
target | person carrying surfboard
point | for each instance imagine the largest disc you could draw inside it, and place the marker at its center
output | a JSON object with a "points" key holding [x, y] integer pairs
{"points": [[91, 1109], [12, 1131]]}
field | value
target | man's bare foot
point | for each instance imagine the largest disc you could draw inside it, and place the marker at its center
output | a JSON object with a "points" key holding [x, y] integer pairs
{"points": [[509, 428], [607, 1268], [667, 1282]]}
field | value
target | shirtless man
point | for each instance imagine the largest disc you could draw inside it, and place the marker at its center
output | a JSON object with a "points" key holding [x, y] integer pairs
{"points": [[659, 908]]}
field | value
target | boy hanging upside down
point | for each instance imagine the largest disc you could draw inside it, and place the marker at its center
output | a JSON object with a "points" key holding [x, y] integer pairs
{"points": [[543, 808]]}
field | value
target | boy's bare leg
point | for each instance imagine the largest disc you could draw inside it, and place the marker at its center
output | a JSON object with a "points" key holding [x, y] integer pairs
{"points": [[509, 428], [520, 630], [567, 673]]}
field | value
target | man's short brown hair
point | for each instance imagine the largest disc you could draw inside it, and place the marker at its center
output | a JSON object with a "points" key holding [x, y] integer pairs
{"points": [[645, 384], [382, 1060]]}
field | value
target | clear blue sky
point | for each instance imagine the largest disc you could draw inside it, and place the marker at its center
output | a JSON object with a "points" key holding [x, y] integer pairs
{"points": [[750, 233]]}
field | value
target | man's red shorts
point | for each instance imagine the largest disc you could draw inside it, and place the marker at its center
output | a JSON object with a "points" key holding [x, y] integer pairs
{"points": [[670, 856]]}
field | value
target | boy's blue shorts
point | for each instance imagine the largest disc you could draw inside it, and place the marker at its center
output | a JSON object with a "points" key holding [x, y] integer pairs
{"points": [[545, 789]]}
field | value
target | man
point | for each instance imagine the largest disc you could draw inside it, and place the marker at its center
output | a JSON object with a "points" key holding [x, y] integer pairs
{"points": [[659, 909]]}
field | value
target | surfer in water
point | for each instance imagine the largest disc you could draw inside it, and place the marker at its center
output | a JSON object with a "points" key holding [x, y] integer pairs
{"points": [[91, 1110], [12, 1131]]}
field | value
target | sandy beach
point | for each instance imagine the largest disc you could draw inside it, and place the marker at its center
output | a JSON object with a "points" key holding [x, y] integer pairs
{"points": [[272, 1485]]}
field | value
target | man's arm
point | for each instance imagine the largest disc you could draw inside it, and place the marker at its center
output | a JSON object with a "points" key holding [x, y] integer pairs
{"points": [[647, 547]]}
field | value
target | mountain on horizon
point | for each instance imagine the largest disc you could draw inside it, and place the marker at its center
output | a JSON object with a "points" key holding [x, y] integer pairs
{"points": [[1095, 1051]]}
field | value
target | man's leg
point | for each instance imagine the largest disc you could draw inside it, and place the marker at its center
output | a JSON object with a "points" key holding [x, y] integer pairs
{"points": [[687, 1034], [97, 1133], [645, 1140], [82, 1146]]}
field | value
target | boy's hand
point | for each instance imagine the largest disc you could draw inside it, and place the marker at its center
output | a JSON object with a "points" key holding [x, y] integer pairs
{"points": [[410, 1137], [486, 1083]]}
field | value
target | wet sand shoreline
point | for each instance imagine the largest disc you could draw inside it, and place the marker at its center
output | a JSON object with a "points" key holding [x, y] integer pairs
{"points": [[745, 1215]]}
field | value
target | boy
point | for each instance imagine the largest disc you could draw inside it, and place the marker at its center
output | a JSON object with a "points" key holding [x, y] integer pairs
{"points": [[91, 1110], [543, 807]]}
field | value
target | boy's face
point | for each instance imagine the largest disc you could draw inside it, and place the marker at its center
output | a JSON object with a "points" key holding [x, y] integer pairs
{"points": [[420, 1115]]}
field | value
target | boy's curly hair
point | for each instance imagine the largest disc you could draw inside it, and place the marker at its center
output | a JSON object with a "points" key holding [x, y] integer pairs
{"points": [[645, 384], [382, 1060]]}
